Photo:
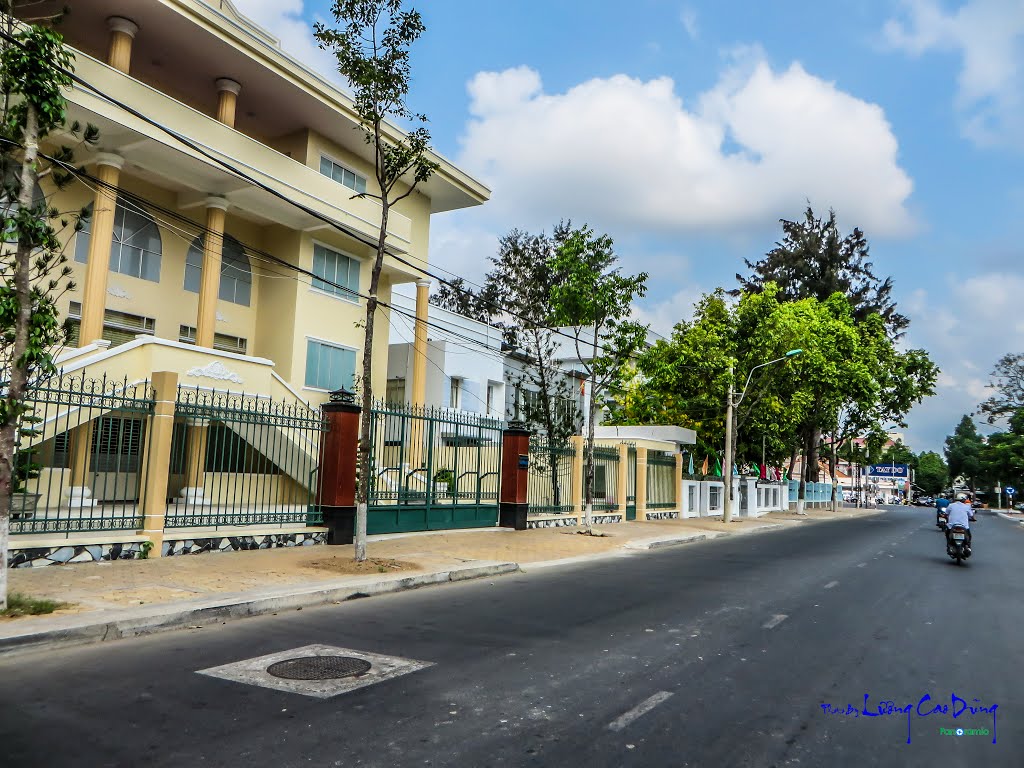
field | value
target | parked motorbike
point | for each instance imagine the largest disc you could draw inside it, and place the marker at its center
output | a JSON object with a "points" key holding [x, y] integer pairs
{"points": [[942, 520], [956, 543]]}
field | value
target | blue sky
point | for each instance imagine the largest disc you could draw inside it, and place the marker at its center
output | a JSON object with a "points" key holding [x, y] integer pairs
{"points": [[686, 130]]}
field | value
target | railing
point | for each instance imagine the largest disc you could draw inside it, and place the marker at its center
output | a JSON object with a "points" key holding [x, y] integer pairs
{"points": [[80, 455], [661, 480], [239, 459], [432, 467], [606, 479], [549, 490]]}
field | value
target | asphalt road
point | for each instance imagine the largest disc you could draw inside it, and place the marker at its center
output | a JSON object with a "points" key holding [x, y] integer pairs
{"points": [[715, 654]]}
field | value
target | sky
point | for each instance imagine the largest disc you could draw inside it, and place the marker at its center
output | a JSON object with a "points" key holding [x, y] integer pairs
{"points": [[686, 130]]}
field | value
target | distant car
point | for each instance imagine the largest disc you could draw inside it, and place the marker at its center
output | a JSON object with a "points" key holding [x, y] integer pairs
{"points": [[1019, 507]]}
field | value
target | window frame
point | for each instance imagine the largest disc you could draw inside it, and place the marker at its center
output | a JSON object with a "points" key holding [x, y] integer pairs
{"points": [[136, 209], [226, 240], [328, 290], [345, 167], [327, 343]]}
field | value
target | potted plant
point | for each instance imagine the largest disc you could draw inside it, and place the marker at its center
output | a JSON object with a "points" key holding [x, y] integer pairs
{"points": [[446, 479], [23, 504]]}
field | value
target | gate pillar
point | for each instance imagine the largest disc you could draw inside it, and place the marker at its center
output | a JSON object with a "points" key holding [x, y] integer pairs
{"points": [[515, 476], [339, 451]]}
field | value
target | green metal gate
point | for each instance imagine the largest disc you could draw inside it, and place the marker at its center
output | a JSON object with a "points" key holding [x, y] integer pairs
{"points": [[631, 483], [432, 469]]}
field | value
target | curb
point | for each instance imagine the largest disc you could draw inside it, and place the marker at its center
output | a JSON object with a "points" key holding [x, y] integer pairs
{"points": [[130, 624], [1011, 518]]}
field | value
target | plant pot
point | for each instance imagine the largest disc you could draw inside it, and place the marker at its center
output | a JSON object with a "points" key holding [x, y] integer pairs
{"points": [[23, 505]]}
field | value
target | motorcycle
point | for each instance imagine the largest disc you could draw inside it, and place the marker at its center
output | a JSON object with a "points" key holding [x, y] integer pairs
{"points": [[956, 543], [942, 520]]}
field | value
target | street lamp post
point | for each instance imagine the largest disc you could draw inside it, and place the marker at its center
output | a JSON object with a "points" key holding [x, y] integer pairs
{"points": [[731, 403]]}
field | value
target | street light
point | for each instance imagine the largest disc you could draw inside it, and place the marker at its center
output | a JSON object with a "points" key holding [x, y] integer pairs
{"points": [[730, 404]]}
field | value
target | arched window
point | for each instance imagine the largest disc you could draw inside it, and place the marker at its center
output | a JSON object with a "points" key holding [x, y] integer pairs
{"points": [[235, 271], [135, 246]]}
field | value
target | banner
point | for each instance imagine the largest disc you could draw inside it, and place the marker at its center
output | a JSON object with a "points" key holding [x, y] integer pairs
{"points": [[901, 471]]}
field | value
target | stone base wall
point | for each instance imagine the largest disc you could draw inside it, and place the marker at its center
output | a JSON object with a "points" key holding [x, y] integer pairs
{"points": [[564, 521], [663, 514], [606, 519], [242, 543], [73, 553]]}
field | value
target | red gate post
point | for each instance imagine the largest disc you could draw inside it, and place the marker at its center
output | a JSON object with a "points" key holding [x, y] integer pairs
{"points": [[339, 449], [515, 475]]}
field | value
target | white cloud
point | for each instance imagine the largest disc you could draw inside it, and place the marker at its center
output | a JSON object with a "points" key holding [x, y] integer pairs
{"points": [[989, 37], [628, 155], [459, 247], [688, 16], [662, 316], [284, 20]]}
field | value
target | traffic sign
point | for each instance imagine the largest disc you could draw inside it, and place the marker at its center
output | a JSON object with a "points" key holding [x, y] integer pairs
{"points": [[1011, 491]]}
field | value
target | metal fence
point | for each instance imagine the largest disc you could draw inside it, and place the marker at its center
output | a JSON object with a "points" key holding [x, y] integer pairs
{"points": [[549, 490], [239, 459], [661, 480], [606, 479], [432, 468], [80, 455]]}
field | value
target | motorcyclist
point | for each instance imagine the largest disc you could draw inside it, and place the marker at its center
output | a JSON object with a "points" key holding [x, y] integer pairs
{"points": [[941, 505], [960, 514]]}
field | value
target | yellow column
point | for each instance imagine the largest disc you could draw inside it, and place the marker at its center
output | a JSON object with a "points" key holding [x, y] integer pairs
{"points": [[578, 444], [641, 483], [209, 286], [623, 479], [419, 358], [157, 460], [418, 396], [94, 299], [227, 100], [122, 33], [679, 484], [195, 456]]}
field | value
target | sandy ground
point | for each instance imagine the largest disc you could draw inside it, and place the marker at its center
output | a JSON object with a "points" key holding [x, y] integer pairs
{"points": [[125, 583]]}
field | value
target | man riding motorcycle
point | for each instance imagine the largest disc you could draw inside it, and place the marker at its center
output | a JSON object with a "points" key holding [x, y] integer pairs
{"points": [[941, 505], [960, 513]]}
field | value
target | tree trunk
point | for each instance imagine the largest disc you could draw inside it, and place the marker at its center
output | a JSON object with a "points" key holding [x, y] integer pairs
{"points": [[18, 374], [366, 419], [835, 479], [789, 474]]}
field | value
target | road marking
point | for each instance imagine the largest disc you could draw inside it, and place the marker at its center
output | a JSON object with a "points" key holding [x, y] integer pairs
{"points": [[638, 711], [861, 565], [831, 584], [774, 621]]}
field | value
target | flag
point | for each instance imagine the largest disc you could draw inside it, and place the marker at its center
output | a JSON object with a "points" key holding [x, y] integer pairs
{"points": [[718, 467], [735, 470], [763, 472], [704, 466], [691, 464]]}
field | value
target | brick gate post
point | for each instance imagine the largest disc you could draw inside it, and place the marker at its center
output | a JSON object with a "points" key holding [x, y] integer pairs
{"points": [[515, 476], [339, 450]]}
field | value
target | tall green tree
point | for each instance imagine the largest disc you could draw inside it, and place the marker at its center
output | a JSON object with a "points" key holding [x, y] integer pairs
{"points": [[1008, 388], [963, 452], [371, 46], [814, 260], [594, 300], [33, 266], [932, 474]]}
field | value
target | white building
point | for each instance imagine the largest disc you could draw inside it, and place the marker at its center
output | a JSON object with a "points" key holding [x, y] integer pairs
{"points": [[465, 362]]}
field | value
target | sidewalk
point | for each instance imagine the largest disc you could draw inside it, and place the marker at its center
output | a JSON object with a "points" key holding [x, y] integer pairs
{"points": [[131, 597]]}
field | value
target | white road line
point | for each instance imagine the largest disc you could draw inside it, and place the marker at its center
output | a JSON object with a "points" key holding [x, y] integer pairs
{"points": [[638, 711], [861, 565], [831, 584], [774, 621]]}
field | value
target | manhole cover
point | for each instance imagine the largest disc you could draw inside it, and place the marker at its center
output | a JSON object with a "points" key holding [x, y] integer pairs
{"points": [[319, 667]]}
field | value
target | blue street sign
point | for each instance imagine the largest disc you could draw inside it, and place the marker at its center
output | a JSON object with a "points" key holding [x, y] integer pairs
{"points": [[889, 470], [1011, 491]]}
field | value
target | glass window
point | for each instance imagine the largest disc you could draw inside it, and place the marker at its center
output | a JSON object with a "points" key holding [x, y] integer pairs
{"points": [[135, 246], [342, 175], [235, 271], [329, 367], [455, 395], [333, 269]]}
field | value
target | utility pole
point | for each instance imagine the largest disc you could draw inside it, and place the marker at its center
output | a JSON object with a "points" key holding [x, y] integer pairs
{"points": [[727, 469]]}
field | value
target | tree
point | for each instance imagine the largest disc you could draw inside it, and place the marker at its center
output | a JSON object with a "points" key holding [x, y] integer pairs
{"points": [[372, 50], [963, 452], [932, 474], [815, 260], [595, 301], [1002, 455], [34, 67], [1008, 383]]}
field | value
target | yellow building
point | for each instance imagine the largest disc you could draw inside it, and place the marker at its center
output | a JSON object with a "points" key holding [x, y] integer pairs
{"points": [[225, 243]]}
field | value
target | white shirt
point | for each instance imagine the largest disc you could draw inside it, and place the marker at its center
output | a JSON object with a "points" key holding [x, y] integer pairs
{"points": [[959, 512]]}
